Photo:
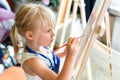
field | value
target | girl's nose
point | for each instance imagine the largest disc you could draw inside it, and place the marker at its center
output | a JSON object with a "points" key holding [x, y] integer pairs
{"points": [[53, 33]]}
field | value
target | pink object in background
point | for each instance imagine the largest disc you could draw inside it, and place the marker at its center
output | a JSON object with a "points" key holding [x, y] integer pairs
{"points": [[5, 14], [46, 2], [6, 22]]}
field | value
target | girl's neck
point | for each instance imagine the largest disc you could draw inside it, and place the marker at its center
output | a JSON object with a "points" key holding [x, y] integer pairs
{"points": [[39, 49]]}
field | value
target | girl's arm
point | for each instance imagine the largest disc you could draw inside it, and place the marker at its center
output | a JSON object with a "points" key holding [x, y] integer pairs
{"points": [[72, 48], [34, 66], [62, 53]]}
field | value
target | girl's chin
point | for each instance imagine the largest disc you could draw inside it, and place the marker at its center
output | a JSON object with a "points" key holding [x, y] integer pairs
{"points": [[50, 43], [52, 40]]}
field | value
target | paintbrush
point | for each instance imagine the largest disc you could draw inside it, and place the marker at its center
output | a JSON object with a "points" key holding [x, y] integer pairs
{"points": [[64, 45]]}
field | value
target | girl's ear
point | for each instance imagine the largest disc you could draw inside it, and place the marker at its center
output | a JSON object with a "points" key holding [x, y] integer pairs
{"points": [[29, 35]]}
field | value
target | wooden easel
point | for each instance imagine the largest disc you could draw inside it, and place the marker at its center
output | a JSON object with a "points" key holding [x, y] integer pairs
{"points": [[64, 13], [91, 31]]}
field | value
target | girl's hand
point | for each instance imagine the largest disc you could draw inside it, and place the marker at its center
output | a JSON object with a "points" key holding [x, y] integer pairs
{"points": [[73, 47]]}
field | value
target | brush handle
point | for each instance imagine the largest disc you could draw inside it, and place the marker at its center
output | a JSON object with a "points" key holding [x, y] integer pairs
{"points": [[64, 45], [59, 47]]}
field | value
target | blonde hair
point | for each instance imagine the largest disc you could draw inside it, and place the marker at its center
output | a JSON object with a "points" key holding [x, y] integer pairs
{"points": [[28, 18]]}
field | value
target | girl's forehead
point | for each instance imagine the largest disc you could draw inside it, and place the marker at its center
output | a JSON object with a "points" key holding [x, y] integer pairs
{"points": [[42, 24], [46, 27]]}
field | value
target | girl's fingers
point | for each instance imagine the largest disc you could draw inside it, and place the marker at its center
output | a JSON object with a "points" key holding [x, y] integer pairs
{"points": [[73, 41], [70, 41]]}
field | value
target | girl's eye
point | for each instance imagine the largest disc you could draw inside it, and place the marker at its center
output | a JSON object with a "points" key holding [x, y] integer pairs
{"points": [[48, 30]]}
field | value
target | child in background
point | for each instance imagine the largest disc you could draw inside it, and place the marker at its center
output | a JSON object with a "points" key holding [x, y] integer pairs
{"points": [[34, 24]]}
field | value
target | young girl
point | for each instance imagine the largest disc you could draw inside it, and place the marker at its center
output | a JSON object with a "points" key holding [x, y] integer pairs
{"points": [[34, 31]]}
